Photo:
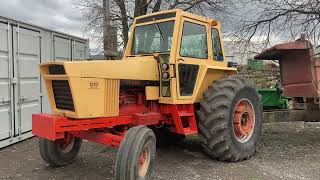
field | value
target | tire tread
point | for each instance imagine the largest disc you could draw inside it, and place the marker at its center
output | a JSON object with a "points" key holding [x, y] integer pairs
{"points": [[213, 122]]}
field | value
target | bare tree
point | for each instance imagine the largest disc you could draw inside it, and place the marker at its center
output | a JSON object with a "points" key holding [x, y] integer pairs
{"points": [[123, 12], [279, 19]]}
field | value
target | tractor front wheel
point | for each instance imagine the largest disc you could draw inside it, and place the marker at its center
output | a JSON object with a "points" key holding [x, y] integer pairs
{"points": [[60, 152], [136, 154], [230, 119]]}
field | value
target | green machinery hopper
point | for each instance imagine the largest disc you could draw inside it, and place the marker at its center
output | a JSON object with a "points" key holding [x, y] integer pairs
{"points": [[272, 99]]}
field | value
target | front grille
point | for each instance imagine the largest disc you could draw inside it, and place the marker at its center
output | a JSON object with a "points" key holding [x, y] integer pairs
{"points": [[56, 69], [62, 95]]}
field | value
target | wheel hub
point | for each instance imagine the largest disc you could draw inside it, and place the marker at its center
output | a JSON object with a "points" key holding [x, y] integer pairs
{"points": [[65, 145], [144, 161], [243, 120]]}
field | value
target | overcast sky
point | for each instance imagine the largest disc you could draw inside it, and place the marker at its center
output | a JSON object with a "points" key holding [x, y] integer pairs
{"points": [[59, 15]]}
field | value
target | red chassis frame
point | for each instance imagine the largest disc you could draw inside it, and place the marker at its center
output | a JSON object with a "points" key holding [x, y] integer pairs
{"points": [[101, 130]]}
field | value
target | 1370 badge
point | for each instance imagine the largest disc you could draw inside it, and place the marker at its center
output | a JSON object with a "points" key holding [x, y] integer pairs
{"points": [[93, 85]]}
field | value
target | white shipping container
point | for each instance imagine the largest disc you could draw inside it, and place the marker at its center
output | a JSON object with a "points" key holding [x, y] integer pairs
{"points": [[22, 47]]}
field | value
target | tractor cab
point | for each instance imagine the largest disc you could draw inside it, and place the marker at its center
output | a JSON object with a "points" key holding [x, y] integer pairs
{"points": [[184, 45]]}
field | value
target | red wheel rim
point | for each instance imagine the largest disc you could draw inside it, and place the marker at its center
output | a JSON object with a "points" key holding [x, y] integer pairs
{"points": [[144, 161], [65, 145], [243, 120]]}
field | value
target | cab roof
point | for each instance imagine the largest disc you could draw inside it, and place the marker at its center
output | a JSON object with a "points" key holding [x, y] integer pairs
{"points": [[171, 14]]}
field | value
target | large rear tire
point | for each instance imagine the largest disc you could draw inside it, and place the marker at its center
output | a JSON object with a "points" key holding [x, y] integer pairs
{"points": [[61, 152], [230, 119], [136, 154]]}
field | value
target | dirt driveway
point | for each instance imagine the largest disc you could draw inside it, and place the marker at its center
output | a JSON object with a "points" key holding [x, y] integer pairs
{"points": [[287, 151]]}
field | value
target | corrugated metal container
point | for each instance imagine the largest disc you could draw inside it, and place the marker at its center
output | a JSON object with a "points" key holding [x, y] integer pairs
{"points": [[22, 47]]}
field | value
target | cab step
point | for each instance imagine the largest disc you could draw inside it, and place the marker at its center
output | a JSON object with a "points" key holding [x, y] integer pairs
{"points": [[184, 119]]}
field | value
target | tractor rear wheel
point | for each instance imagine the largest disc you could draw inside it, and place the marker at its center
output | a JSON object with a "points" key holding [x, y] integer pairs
{"points": [[230, 119], [136, 154], [60, 152]]}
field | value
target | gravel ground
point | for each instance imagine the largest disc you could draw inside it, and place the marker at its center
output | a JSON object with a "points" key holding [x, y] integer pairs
{"points": [[286, 151]]}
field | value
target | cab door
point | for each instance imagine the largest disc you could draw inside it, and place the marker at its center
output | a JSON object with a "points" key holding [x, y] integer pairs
{"points": [[192, 53]]}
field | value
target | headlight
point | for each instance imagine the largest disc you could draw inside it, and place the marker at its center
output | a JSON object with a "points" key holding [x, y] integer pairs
{"points": [[165, 75], [165, 66]]}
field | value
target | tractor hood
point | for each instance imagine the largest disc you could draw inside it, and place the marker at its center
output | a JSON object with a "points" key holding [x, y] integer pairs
{"points": [[133, 68]]}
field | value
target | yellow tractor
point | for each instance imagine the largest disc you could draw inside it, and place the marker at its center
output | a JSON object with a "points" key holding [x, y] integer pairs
{"points": [[173, 81]]}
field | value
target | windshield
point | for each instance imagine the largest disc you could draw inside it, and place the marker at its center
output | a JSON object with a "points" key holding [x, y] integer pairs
{"points": [[153, 38]]}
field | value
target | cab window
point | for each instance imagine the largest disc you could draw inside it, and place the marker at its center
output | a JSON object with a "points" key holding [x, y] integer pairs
{"points": [[153, 38], [216, 45], [194, 41]]}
